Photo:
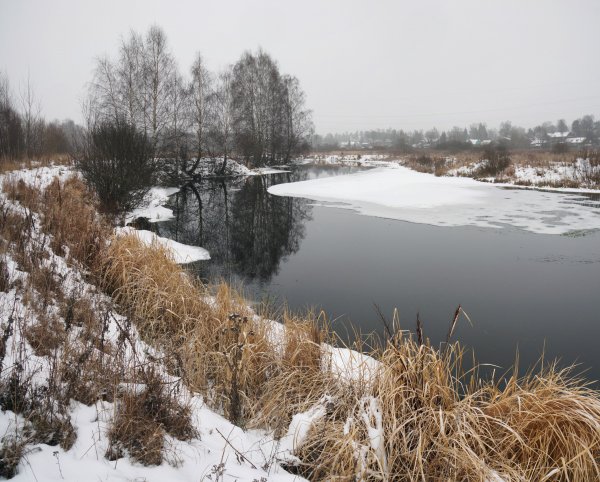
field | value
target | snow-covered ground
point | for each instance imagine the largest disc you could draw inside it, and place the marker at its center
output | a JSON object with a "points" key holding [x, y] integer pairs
{"points": [[211, 167], [365, 160], [220, 451], [209, 457], [560, 176], [397, 192]]}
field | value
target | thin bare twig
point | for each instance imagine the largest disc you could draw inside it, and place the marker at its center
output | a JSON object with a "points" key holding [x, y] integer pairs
{"points": [[236, 450]]}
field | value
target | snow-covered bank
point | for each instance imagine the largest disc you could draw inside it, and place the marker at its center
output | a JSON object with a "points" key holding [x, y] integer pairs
{"points": [[40, 177], [578, 176], [152, 207], [365, 160], [218, 450], [213, 455], [213, 167], [397, 192], [182, 253]]}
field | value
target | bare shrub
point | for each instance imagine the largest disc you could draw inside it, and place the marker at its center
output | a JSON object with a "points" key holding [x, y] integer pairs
{"points": [[11, 453], [143, 418], [45, 336], [496, 158], [118, 165]]}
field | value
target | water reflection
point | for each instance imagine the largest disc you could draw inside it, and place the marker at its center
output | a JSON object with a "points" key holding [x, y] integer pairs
{"points": [[247, 231]]}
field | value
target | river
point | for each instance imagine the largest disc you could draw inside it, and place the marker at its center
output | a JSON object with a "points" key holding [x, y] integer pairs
{"points": [[523, 292]]}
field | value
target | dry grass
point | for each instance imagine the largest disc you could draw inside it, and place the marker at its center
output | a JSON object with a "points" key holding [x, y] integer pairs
{"points": [[211, 338], [144, 417], [425, 420], [7, 165], [46, 336]]}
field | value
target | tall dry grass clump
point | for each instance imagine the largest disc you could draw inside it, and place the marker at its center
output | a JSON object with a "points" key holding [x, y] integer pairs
{"points": [[210, 337], [424, 418], [547, 425], [67, 214], [297, 376]]}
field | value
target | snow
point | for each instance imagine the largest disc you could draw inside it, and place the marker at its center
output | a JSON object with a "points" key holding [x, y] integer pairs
{"points": [[153, 208], [373, 419], [41, 177], [298, 430], [186, 461], [349, 365], [211, 167], [263, 171], [182, 253], [397, 192]]}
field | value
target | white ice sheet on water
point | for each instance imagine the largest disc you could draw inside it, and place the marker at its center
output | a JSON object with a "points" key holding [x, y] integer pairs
{"points": [[400, 193]]}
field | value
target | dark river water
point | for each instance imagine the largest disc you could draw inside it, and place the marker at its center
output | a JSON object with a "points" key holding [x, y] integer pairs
{"points": [[524, 292]]}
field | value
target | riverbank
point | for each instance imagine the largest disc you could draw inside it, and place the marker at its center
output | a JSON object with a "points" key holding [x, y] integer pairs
{"points": [[577, 172], [199, 353]]}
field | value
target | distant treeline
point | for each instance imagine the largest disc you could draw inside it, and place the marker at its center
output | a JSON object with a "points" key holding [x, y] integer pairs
{"points": [[24, 133], [559, 135], [250, 110]]}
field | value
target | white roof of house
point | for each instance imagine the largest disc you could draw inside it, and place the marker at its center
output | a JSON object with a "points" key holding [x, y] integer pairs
{"points": [[559, 134]]}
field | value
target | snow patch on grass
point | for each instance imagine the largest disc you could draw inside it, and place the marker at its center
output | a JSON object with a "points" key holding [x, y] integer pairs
{"points": [[182, 253]]}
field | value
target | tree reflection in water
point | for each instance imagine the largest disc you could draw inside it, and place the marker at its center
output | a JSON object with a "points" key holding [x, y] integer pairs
{"points": [[247, 231]]}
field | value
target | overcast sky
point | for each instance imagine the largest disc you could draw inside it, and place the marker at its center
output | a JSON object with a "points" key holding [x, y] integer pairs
{"points": [[363, 64]]}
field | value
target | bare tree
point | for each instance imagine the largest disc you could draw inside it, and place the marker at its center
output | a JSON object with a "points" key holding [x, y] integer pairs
{"points": [[159, 67], [104, 101], [175, 135], [31, 118], [297, 120], [222, 117], [200, 91], [129, 76], [270, 118]]}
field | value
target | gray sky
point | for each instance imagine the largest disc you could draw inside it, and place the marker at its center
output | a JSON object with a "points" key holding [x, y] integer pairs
{"points": [[363, 64]]}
